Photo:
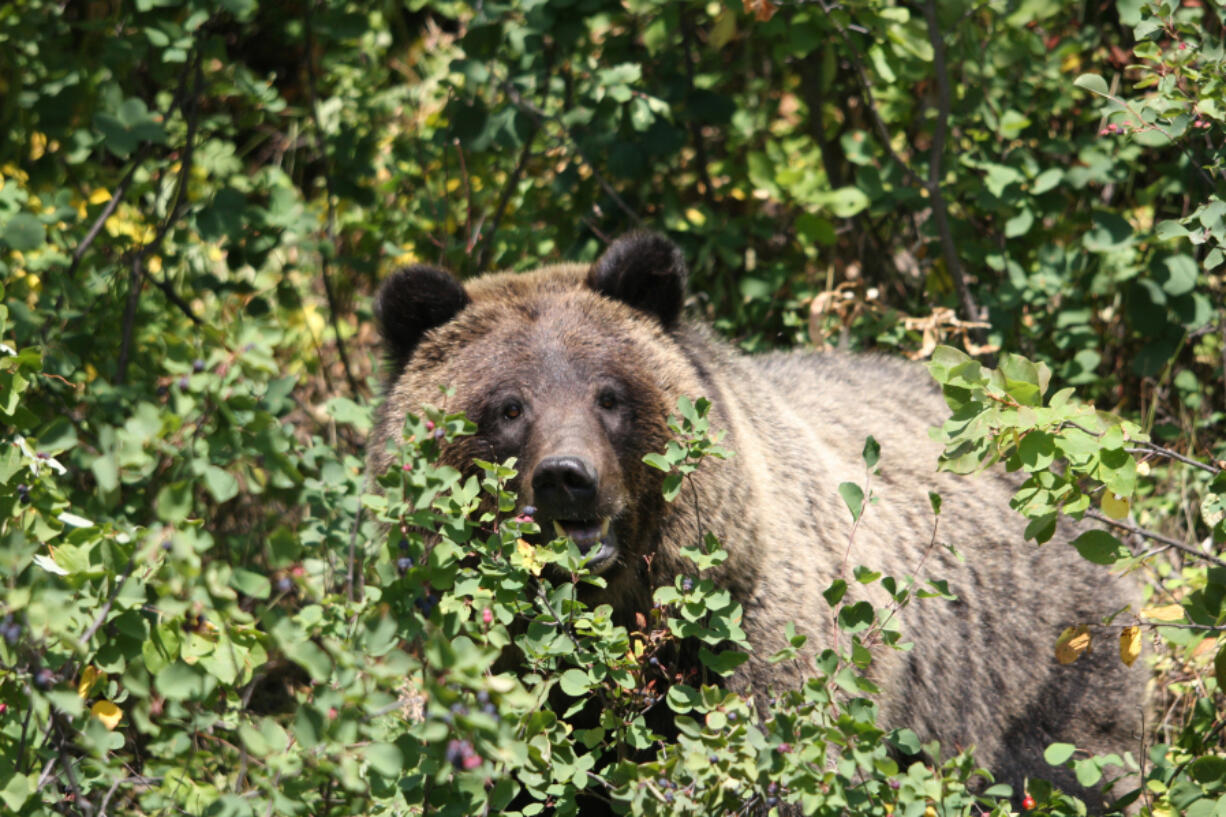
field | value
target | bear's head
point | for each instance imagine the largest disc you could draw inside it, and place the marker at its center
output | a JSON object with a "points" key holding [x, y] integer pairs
{"points": [[573, 370]]}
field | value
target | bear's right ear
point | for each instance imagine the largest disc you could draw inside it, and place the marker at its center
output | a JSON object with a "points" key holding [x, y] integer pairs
{"points": [[646, 271], [411, 302]]}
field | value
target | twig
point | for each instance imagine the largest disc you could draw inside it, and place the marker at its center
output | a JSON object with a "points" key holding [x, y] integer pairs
{"points": [[504, 199], [1157, 537], [541, 116], [321, 148], [939, 212], [139, 274], [107, 211], [129, 319], [933, 183], [1153, 448], [106, 608], [700, 148]]}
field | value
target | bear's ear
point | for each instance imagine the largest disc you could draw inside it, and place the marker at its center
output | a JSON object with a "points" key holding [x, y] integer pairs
{"points": [[646, 271], [411, 302]]}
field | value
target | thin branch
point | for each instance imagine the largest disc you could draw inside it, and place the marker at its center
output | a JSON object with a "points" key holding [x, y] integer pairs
{"points": [[952, 263], [1156, 537], [322, 149], [541, 116], [933, 183], [1152, 448], [504, 199], [139, 274], [106, 608], [107, 211], [700, 148]]}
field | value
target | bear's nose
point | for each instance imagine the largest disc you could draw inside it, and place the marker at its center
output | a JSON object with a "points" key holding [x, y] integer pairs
{"points": [[565, 487]]}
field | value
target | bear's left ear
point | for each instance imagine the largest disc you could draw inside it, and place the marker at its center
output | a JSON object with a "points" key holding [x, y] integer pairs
{"points": [[411, 302], [646, 271]]}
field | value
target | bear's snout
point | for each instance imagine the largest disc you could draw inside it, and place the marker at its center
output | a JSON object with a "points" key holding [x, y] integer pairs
{"points": [[566, 487]]}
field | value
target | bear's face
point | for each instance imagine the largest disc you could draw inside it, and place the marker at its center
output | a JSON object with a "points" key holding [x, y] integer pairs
{"points": [[561, 369]]}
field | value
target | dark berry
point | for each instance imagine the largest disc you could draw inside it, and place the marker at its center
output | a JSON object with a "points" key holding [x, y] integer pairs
{"points": [[44, 678], [404, 563], [655, 662], [12, 633], [23, 493], [439, 433], [687, 584], [771, 802], [182, 383], [284, 585], [731, 717], [483, 697], [197, 365], [404, 544], [529, 510]]}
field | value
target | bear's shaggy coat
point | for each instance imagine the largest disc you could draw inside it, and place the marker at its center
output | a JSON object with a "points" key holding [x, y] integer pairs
{"points": [[574, 370]]}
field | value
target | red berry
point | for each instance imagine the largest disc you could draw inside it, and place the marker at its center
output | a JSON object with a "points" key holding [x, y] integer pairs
{"points": [[1028, 802], [487, 616], [3, 708]]}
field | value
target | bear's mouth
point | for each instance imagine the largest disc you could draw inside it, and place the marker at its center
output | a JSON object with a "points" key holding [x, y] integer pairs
{"points": [[595, 539]]}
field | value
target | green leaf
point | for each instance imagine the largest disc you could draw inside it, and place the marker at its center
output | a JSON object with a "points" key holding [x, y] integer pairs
{"points": [[174, 502], [221, 484], [1094, 84], [179, 682], [844, 202], [1100, 547], [658, 461], [575, 682], [385, 758], [872, 451], [835, 592], [853, 496], [1058, 754], [723, 662], [24, 233], [1219, 666], [249, 583], [855, 618]]}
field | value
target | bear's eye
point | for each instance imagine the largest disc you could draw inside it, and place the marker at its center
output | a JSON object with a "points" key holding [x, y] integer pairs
{"points": [[512, 410], [607, 400]]}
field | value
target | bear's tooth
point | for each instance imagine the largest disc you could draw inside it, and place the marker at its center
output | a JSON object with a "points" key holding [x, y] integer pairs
{"points": [[558, 529], [604, 527]]}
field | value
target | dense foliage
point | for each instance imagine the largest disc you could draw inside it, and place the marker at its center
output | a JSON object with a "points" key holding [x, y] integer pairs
{"points": [[206, 608]]}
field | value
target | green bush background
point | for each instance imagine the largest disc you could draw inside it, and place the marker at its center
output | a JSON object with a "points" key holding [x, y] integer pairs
{"points": [[198, 199]]}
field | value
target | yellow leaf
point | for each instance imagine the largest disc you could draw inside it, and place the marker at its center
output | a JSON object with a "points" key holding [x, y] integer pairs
{"points": [[1130, 644], [108, 713], [89, 676], [1167, 612], [527, 556], [1115, 506], [100, 196], [1072, 643]]}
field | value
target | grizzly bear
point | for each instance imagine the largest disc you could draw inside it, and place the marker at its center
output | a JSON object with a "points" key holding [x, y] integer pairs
{"points": [[574, 369]]}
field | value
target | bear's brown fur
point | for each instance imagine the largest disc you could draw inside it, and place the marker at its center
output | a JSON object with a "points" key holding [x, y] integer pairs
{"points": [[574, 370]]}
